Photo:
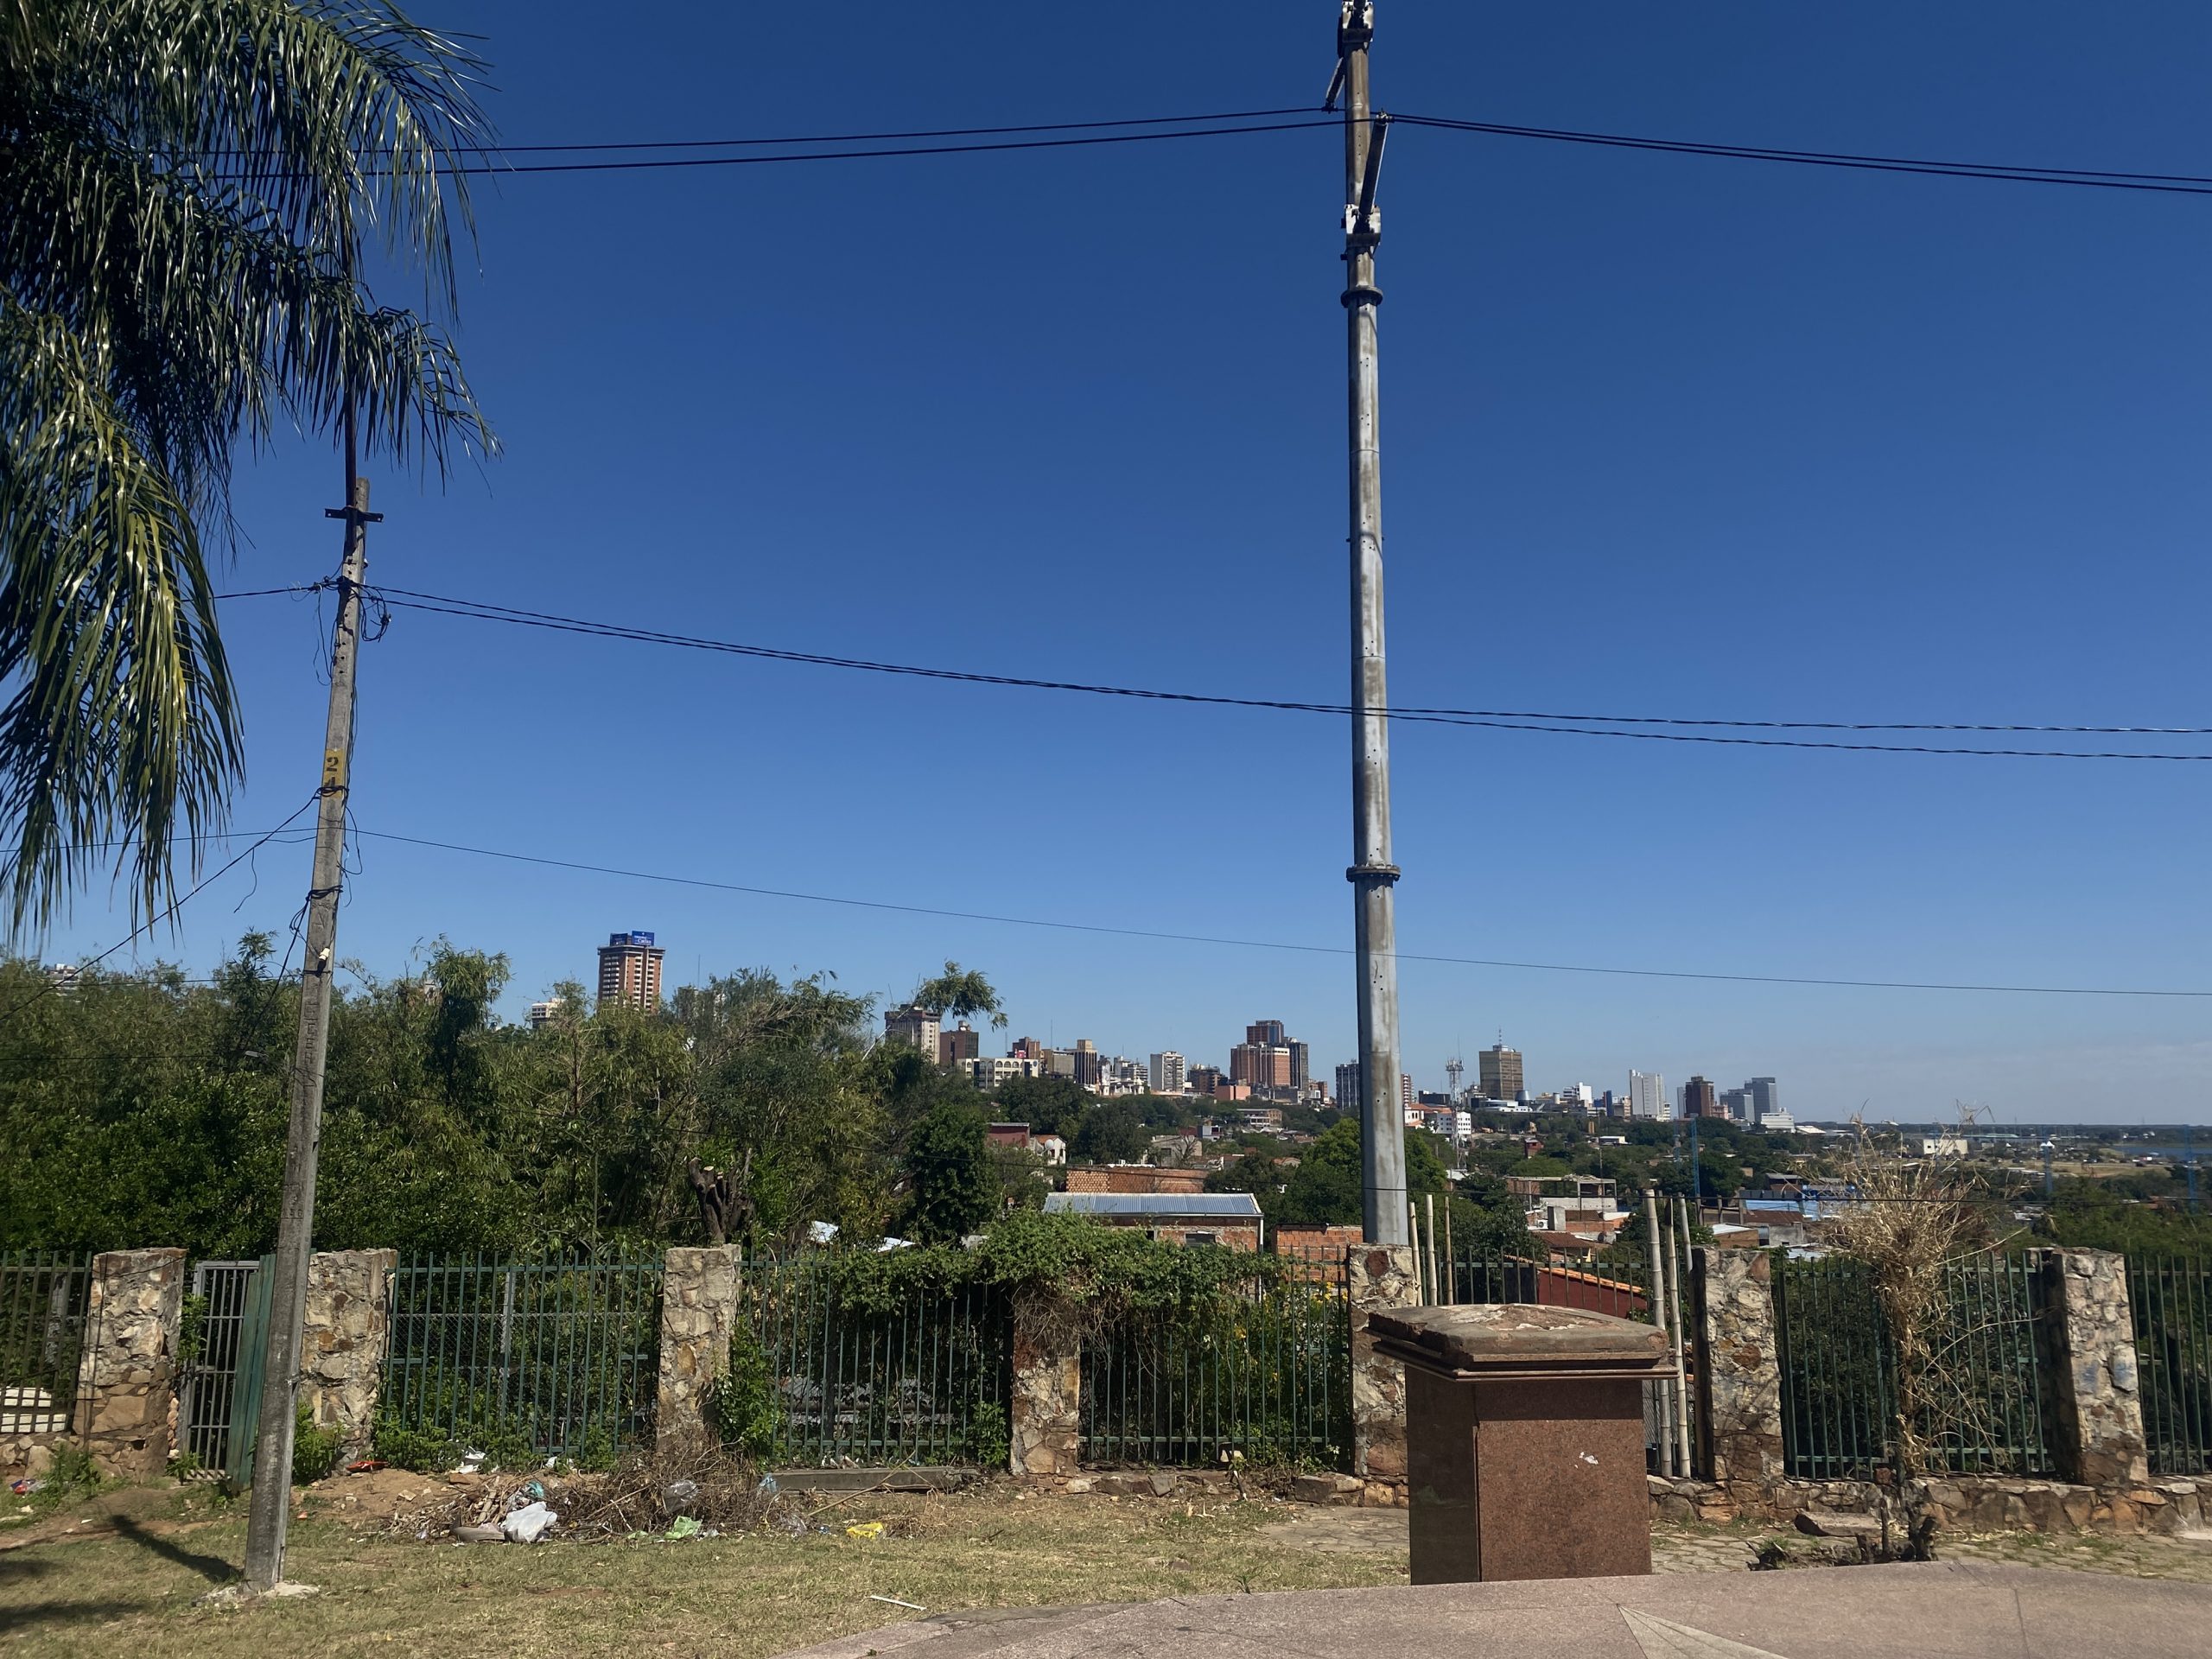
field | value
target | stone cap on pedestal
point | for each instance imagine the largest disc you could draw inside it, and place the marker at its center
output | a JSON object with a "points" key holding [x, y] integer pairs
{"points": [[1520, 1339]]}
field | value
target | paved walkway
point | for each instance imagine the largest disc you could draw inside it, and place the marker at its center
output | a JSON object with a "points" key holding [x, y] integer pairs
{"points": [[1730, 1549], [1947, 1610]]}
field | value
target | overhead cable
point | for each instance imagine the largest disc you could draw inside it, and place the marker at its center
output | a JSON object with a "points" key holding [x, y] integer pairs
{"points": [[1228, 124], [1262, 945], [1490, 719]]}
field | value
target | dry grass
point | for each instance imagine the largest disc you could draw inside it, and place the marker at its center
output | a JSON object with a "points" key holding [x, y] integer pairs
{"points": [[132, 1591]]}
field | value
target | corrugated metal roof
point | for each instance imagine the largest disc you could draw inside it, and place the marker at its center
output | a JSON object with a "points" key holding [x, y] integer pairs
{"points": [[1228, 1205]]}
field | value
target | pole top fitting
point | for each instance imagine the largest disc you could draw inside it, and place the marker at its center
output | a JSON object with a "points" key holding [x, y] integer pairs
{"points": [[1384, 874], [354, 515], [1355, 26]]}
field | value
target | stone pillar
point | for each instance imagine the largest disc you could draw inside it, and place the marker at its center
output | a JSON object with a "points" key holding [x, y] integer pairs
{"points": [[1739, 1372], [2090, 1343], [126, 1379], [698, 1314], [1045, 1423], [342, 1346], [1378, 1276]]}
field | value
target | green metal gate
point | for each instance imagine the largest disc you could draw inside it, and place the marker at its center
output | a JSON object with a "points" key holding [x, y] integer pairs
{"points": [[2169, 1298], [248, 1376], [1265, 1375], [545, 1358], [1980, 1390], [924, 1380], [43, 1297], [209, 1358]]}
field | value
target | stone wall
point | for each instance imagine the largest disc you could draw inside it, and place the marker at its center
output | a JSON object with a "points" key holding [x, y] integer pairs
{"points": [[1381, 1276], [126, 1380], [698, 1315], [1740, 1377], [2090, 1347], [347, 1331], [1046, 1421], [1961, 1503]]}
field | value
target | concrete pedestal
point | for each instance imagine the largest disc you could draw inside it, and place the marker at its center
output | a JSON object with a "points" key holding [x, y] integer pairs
{"points": [[1524, 1440]]}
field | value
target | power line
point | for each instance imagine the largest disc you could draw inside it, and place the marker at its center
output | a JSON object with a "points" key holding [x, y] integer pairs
{"points": [[1225, 124], [51, 990], [1488, 718], [668, 162], [1262, 944], [887, 137], [2189, 184], [484, 611]]}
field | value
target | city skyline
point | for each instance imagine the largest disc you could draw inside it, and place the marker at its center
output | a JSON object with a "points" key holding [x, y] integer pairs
{"points": [[1937, 433]]}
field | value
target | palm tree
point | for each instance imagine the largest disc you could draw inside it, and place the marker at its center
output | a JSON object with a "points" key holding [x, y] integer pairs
{"points": [[187, 189]]}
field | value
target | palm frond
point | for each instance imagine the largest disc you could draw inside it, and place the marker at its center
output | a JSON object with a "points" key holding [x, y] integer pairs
{"points": [[122, 725], [190, 191], [323, 110]]}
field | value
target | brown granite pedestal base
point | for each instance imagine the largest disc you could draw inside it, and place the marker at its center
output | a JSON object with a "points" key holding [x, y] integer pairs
{"points": [[1524, 1441]]}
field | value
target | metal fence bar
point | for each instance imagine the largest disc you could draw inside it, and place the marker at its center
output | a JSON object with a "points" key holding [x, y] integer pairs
{"points": [[557, 1358], [43, 1299], [2169, 1298], [1263, 1375]]}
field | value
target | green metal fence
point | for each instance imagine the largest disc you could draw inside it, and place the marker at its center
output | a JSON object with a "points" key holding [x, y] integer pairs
{"points": [[208, 1358], [1619, 1287], [1266, 1374], [1981, 1407], [558, 1357], [924, 1380], [2170, 1297], [43, 1294]]}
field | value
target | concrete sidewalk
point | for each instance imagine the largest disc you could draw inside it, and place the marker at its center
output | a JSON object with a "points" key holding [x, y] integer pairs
{"points": [[1944, 1610]]}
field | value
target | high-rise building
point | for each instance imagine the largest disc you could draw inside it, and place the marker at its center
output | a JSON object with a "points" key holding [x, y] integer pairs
{"points": [[1500, 1073], [1766, 1099], [1736, 1105], [1405, 1092], [1348, 1086], [960, 1045], [913, 1025], [1647, 1095], [1265, 1033], [1089, 1066], [1301, 1067], [1698, 1099], [1262, 1065], [542, 1014], [1167, 1071], [629, 970], [1205, 1079]]}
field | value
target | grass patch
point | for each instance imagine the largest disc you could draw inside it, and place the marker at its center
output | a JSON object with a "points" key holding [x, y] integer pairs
{"points": [[733, 1597]]}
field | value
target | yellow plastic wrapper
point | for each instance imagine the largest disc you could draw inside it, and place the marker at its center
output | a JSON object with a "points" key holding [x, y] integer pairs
{"points": [[864, 1529]]}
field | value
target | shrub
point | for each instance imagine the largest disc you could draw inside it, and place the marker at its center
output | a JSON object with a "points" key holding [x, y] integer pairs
{"points": [[315, 1451]]}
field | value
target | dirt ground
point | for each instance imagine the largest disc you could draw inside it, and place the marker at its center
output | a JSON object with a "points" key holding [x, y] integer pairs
{"points": [[122, 1571]]}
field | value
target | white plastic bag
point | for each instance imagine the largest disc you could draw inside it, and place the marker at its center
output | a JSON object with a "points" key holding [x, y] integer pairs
{"points": [[528, 1524]]}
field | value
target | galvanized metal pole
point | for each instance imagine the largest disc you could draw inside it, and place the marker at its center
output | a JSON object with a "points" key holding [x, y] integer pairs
{"points": [[1654, 1291], [271, 1508], [1682, 1340], [1382, 1132]]}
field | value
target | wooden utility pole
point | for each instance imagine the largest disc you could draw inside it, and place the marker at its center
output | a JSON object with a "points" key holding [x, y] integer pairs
{"points": [[1373, 876], [271, 1508]]}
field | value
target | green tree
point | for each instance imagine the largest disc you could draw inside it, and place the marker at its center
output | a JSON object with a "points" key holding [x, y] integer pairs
{"points": [[959, 993], [1048, 1105], [952, 1189], [1329, 1184], [1110, 1133], [187, 189]]}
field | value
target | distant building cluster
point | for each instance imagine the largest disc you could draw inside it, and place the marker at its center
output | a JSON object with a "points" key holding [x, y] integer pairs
{"points": [[1267, 1071]]}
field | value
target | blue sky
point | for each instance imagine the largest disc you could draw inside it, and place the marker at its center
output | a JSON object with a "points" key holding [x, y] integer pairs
{"points": [[1661, 435]]}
